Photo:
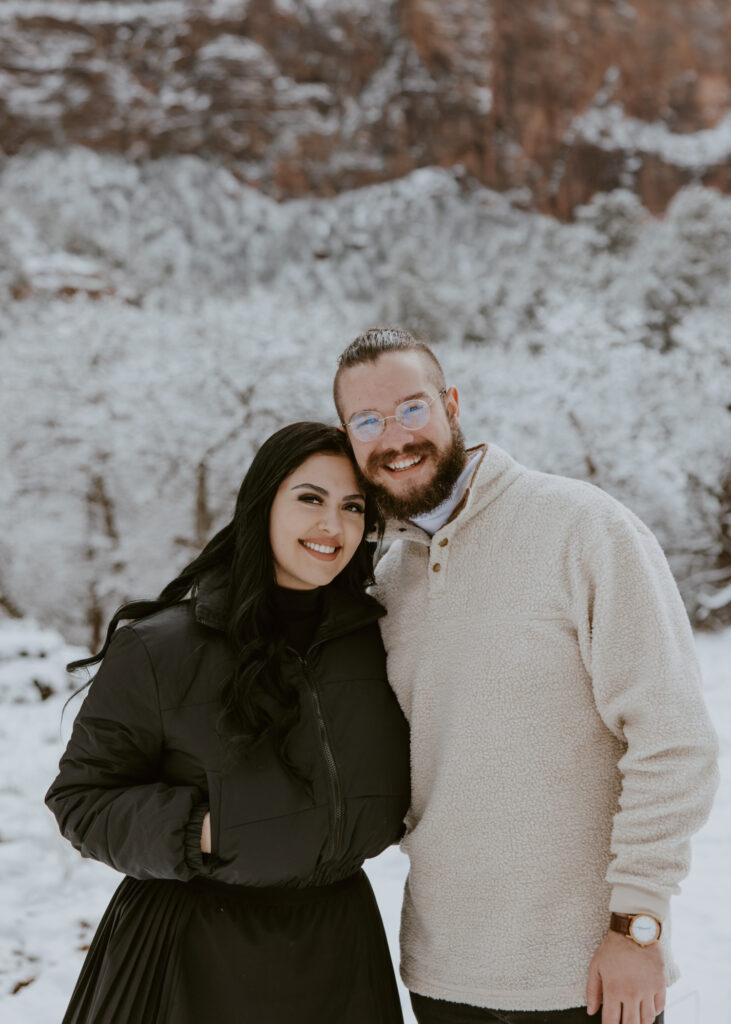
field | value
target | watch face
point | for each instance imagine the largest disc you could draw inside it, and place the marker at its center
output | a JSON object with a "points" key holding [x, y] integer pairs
{"points": [[644, 928]]}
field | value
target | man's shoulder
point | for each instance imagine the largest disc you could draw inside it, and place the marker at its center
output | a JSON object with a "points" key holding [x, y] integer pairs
{"points": [[583, 518], [539, 494], [554, 489]]}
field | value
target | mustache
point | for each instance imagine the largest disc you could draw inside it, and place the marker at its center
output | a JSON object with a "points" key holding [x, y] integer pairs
{"points": [[376, 461]]}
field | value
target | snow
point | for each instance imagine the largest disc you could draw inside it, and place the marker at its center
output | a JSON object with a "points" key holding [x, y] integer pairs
{"points": [[99, 12], [160, 12], [168, 318], [226, 9], [609, 128], [52, 899], [366, 8], [717, 600], [26, 99], [484, 97], [55, 272], [238, 50]]}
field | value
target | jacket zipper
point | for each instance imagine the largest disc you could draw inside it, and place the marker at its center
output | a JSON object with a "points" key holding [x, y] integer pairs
{"points": [[334, 779]]}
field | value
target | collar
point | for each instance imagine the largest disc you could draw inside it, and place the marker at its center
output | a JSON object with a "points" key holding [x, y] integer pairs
{"points": [[495, 472], [434, 520], [210, 598]]}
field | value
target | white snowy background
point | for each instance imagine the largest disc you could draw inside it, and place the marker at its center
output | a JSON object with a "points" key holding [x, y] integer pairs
{"points": [[202, 315], [158, 320]]}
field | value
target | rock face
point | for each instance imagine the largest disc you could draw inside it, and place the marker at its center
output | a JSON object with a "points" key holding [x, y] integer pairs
{"points": [[551, 101]]}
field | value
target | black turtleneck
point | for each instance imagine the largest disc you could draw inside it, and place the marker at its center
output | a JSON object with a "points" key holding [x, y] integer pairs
{"points": [[298, 615]]}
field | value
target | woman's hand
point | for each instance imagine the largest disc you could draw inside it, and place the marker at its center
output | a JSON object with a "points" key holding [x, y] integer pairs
{"points": [[206, 834]]}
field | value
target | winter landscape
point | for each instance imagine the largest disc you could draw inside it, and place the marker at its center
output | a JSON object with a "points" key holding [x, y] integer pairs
{"points": [[200, 315], [180, 285], [207, 315]]}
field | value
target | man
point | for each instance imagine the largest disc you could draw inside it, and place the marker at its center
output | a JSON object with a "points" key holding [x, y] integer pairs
{"points": [[561, 753]]}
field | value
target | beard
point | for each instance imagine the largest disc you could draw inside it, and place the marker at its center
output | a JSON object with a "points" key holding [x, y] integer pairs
{"points": [[420, 498]]}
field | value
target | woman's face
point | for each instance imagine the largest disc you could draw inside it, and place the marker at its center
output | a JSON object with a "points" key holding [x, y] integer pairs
{"points": [[316, 522]]}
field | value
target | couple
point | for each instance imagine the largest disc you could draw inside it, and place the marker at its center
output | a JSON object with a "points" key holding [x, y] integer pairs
{"points": [[241, 752]]}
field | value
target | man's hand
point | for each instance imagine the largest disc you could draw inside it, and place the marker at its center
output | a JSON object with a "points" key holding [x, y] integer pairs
{"points": [[629, 980]]}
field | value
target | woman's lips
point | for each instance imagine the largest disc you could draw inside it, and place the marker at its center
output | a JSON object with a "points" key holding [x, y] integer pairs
{"points": [[311, 547]]}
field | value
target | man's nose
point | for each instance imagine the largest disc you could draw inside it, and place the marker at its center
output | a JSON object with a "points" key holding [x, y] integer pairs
{"points": [[395, 434]]}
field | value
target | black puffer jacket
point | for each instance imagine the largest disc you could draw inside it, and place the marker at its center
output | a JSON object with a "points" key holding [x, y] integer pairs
{"points": [[145, 761]]}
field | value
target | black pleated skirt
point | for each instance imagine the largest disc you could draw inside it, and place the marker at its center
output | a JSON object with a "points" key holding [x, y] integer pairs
{"points": [[171, 952]]}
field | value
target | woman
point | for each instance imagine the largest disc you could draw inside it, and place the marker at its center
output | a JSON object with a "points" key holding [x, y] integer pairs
{"points": [[238, 756]]}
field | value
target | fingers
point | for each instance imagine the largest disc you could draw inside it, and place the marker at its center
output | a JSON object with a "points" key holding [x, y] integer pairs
{"points": [[648, 1012], [593, 990], [630, 1013], [612, 1012], [616, 1012]]}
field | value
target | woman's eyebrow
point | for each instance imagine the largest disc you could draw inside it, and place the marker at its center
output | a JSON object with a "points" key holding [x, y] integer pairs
{"points": [[312, 487], [321, 490]]}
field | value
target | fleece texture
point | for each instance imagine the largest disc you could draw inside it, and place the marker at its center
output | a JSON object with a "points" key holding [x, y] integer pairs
{"points": [[561, 752]]}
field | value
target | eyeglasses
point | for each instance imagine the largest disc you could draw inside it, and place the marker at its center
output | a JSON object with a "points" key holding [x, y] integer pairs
{"points": [[413, 414]]}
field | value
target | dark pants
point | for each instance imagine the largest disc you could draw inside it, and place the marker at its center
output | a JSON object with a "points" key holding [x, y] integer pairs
{"points": [[438, 1011]]}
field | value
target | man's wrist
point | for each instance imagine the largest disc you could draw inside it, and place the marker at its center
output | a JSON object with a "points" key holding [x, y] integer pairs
{"points": [[641, 929]]}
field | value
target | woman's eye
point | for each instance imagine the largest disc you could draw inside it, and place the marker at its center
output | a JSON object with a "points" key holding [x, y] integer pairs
{"points": [[314, 499], [355, 508]]}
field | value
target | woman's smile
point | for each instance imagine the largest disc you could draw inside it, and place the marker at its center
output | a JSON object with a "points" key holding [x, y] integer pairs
{"points": [[321, 549]]}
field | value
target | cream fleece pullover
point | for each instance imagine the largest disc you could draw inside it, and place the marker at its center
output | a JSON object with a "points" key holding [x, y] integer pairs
{"points": [[562, 755]]}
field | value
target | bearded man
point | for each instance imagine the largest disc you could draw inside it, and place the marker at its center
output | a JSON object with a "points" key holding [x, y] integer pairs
{"points": [[561, 753]]}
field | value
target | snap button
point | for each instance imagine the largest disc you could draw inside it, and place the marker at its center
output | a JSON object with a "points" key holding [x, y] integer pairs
{"points": [[443, 542], [436, 567]]}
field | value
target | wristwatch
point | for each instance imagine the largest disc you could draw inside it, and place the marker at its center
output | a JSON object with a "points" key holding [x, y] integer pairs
{"points": [[644, 929]]}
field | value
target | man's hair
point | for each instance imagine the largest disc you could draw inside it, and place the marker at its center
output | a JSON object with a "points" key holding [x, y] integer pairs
{"points": [[377, 341]]}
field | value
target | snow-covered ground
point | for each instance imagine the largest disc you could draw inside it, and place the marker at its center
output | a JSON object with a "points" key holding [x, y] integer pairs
{"points": [[52, 899]]}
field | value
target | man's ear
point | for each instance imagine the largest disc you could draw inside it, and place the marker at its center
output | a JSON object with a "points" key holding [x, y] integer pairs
{"points": [[451, 403]]}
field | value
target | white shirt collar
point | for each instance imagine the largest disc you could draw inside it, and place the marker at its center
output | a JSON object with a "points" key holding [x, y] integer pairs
{"points": [[435, 519]]}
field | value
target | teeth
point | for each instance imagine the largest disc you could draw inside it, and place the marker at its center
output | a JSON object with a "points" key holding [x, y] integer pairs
{"points": [[319, 547], [404, 463]]}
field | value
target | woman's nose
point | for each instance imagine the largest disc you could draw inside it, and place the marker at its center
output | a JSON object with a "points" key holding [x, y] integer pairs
{"points": [[329, 521]]}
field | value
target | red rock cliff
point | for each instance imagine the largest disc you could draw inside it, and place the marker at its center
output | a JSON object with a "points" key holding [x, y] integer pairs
{"points": [[550, 100]]}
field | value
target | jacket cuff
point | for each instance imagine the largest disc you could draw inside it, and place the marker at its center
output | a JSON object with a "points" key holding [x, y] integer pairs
{"points": [[194, 856], [631, 899]]}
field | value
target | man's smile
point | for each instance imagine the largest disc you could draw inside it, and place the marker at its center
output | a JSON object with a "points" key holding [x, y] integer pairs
{"points": [[400, 465], [410, 461]]}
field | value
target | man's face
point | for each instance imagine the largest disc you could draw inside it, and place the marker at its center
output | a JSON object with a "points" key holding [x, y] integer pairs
{"points": [[409, 471]]}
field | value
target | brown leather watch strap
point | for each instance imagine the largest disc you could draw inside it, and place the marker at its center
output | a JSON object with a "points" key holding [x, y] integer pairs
{"points": [[620, 923]]}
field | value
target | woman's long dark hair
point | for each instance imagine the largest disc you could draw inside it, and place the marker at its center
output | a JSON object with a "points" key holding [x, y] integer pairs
{"points": [[243, 548]]}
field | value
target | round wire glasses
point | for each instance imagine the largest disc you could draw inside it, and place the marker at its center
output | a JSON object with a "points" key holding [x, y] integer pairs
{"points": [[412, 414]]}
